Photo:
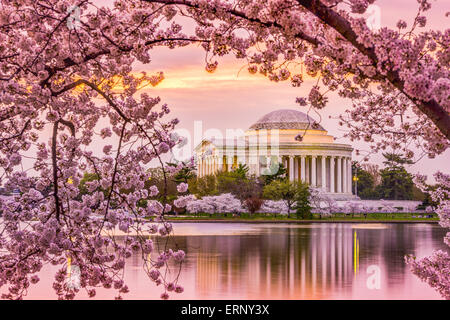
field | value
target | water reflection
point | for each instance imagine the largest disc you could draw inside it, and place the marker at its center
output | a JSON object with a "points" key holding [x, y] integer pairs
{"points": [[288, 261]]}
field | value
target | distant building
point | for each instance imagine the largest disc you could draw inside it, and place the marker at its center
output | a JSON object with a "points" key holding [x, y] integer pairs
{"points": [[284, 136]]}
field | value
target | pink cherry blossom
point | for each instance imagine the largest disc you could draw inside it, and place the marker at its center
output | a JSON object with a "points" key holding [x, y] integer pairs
{"points": [[60, 81], [435, 269], [182, 187]]}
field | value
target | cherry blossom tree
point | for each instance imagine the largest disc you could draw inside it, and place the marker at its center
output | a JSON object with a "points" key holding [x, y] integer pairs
{"points": [[323, 203], [275, 207], [68, 85], [67, 88], [223, 203], [435, 269], [396, 79]]}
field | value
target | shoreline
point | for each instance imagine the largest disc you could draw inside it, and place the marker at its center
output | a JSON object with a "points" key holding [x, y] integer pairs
{"points": [[298, 221]]}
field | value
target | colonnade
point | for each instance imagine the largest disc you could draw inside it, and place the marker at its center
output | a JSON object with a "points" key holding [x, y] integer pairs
{"points": [[331, 173], [212, 164]]}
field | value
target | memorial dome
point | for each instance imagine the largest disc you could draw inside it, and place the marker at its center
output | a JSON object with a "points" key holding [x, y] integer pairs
{"points": [[286, 119]]}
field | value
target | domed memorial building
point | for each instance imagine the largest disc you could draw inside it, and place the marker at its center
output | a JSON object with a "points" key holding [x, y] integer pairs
{"points": [[283, 136]]}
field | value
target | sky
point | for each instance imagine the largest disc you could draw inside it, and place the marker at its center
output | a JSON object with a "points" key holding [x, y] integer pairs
{"points": [[231, 98]]}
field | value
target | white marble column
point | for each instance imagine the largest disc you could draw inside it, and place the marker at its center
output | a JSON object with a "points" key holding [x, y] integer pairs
{"points": [[295, 168], [307, 170], [258, 165], [200, 166], [324, 174], [349, 175], [344, 174], [291, 168], [339, 174], [349, 183], [313, 171], [210, 165], [203, 167], [302, 168], [332, 189]]}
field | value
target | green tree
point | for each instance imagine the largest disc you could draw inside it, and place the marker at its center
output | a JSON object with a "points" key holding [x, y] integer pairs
{"points": [[285, 190], [186, 173], [365, 182], [427, 202], [241, 170], [302, 201], [203, 186], [396, 182], [418, 194], [237, 181], [278, 173], [226, 181]]}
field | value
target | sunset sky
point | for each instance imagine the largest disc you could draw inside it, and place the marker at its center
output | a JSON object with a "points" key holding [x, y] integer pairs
{"points": [[232, 98]]}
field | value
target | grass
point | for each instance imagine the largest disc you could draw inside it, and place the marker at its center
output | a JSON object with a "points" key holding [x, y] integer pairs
{"points": [[387, 217]]}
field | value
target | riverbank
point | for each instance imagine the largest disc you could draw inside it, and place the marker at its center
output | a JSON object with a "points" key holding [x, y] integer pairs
{"points": [[393, 218], [299, 221]]}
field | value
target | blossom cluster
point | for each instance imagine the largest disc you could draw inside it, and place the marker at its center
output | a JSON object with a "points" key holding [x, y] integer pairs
{"points": [[70, 103], [397, 80], [435, 269], [224, 203]]}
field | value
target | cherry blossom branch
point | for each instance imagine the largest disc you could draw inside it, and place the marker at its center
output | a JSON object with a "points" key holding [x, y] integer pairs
{"points": [[436, 112], [54, 162], [431, 108], [69, 62]]}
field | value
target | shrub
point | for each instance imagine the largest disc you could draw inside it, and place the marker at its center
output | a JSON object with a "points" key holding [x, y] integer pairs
{"points": [[253, 204]]}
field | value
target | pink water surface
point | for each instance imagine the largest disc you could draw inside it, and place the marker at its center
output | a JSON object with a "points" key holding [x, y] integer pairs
{"points": [[286, 261]]}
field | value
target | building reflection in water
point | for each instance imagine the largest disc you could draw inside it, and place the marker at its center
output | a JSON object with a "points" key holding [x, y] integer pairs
{"points": [[286, 261], [317, 261]]}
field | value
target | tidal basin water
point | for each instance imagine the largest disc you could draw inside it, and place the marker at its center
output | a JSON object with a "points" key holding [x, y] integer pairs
{"points": [[288, 261]]}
